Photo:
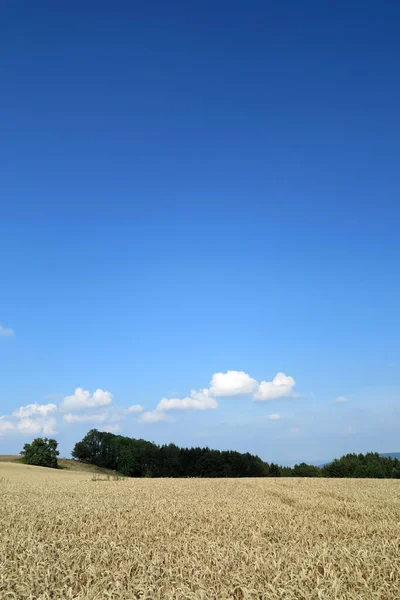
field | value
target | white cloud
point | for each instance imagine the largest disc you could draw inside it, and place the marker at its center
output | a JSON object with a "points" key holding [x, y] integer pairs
{"points": [[5, 425], [35, 417], [31, 426], [100, 398], [86, 418], [280, 387], [350, 429], [111, 428], [49, 426], [44, 426], [342, 399], [153, 416], [6, 331], [135, 408], [32, 419], [201, 400], [34, 409], [232, 383], [82, 399]]}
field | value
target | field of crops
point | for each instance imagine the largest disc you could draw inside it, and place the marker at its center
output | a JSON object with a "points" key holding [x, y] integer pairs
{"points": [[69, 535]]}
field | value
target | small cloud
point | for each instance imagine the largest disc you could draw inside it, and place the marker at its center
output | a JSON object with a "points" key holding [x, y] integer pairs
{"points": [[274, 417], [280, 387], [350, 429], [111, 428], [135, 408], [82, 399], [5, 425], [153, 416], [6, 331], [342, 399], [232, 383], [86, 418], [201, 400], [294, 431], [34, 409]]}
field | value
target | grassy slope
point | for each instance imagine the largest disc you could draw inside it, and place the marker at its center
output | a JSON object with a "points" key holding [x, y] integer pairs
{"points": [[74, 465], [63, 463]]}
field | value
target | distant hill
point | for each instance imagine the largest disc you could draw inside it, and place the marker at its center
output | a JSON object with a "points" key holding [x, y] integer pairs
{"points": [[319, 463], [391, 455]]}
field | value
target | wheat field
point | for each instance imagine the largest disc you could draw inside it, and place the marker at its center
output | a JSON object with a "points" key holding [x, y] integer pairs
{"points": [[71, 535]]}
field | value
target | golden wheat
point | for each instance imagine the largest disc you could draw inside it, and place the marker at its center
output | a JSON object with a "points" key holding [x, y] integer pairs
{"points": [[66, 536]]}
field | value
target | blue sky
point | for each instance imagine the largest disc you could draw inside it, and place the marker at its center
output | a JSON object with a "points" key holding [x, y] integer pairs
{"points": [[201, 198]]}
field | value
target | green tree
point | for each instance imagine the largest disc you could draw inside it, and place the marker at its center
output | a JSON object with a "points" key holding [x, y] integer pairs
{"points": [[369, 470], [304, 470], [81, 452], [396, 473], [274, 470], [370, 465], [42, 452], [138, 458]]}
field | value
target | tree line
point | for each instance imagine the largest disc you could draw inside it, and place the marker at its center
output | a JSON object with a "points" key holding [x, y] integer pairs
{"points": [[140, 458]]}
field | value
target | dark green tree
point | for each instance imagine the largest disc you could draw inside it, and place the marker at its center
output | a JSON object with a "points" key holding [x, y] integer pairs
{"points": [[42, 452], [81, 452], [138, 458], [304, 470], [395, 473], [370, 465], [274, 470]]}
